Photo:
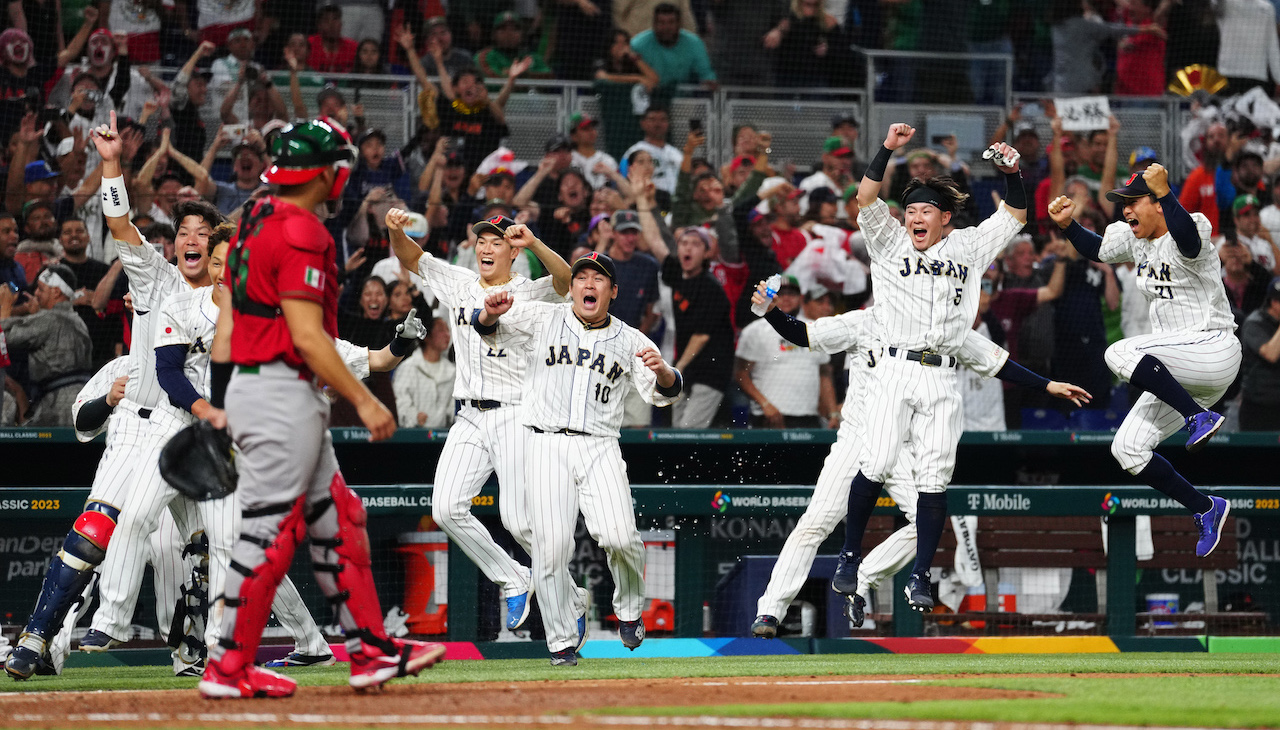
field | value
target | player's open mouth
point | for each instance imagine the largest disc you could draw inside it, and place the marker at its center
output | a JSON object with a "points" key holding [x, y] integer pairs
{"points": [[1133, 223], [589, 299], [486, 262], [191, 256], [919, 233]]}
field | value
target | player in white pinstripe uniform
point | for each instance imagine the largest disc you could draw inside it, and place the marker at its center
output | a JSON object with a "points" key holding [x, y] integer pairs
{"points": [[151, 281], [39, 652], [581, 363], [1191, 356], [86, 545], [486, 436], [927, 289], [849, 332]]}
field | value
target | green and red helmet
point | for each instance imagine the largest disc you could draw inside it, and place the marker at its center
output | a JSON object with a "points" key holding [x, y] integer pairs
{"points": [[302, 151]]}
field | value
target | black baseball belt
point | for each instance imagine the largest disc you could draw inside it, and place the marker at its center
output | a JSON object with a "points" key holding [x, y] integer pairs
{"points": [[927, 358]]}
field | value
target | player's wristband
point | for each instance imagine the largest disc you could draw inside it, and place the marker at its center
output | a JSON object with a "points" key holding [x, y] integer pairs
{"points": [[220, 373], [115, 199], [483, 329], [674, 389], [401, 346], [1015, 194], [876, 169]]}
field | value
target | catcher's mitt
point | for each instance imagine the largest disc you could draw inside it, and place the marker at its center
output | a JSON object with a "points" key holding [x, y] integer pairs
{"points": [[199, 461]]}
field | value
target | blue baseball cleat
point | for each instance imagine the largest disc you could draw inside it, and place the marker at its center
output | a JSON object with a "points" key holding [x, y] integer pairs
{"points": [[96, 641], [631, 633], [1202, 427], [1210, 525], [518, 610], [765, 626], [582, 631], [919, 591]]}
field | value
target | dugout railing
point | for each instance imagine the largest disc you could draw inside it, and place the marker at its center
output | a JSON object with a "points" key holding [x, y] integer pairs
{"points": [[716, 519]]}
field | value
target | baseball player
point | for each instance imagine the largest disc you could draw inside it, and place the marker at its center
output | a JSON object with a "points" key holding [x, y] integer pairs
{"points": [[581, 363], [486, 436], [152, 280], [185, 338], [1191, 356], [86, 545], [206, 316], [927, 289], [283, 277], [849, 332], [46, 642]]}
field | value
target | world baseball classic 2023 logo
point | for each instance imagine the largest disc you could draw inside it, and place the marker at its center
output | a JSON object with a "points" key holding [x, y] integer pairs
{"points": [[721, 501], [1110, 503]]}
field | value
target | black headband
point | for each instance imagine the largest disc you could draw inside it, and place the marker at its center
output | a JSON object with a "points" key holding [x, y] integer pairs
{"points": [[926, 194]]}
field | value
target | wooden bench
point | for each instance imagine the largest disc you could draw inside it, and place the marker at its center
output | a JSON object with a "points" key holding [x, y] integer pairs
{"points": [[1076, 542]]}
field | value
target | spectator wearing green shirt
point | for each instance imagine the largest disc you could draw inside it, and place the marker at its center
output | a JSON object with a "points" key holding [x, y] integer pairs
{"points": [[677, 55], [506, 49]]}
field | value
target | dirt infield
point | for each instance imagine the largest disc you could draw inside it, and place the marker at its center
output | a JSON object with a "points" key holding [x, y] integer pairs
{"points": [[491, 704]]}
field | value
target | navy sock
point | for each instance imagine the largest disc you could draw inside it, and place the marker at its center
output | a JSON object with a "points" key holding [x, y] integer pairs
{"points": [[1161, 475], [931, 518], [1152, 376], [863, 494]]}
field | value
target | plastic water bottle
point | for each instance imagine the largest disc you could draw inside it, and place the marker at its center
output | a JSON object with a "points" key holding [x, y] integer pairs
{"points": [[770, 290]]}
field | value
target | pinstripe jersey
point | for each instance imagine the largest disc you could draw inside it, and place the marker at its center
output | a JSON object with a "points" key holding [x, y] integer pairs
{"points": [[852, 332], [151, 281], [98, 386], [1185, 295], [485, 368], [928, 299], [189, 319], [577, 376]]}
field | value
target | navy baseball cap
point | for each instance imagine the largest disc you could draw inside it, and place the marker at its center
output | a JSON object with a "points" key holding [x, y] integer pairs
{"points": [[1136, 187], [598, 261], [37, 171], [497, 224]]}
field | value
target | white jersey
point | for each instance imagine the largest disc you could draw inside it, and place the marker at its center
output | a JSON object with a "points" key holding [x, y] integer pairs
{"points": [[486, 369], [356, 358], [152, 280], [666, 163], [587, 166], [787, 374], [853, 332], [133, 16], [189, 319], [578, 376], [1261, 249], [983, 397], [929, 299], [1186, 295], [98, 386]]}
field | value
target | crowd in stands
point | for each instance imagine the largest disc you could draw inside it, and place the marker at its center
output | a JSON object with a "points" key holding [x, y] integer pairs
{"points": [[689, 240]]}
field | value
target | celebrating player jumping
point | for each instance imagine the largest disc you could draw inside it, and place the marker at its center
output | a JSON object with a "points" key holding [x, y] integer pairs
{"points": [[927, 287], [1192, 355]]}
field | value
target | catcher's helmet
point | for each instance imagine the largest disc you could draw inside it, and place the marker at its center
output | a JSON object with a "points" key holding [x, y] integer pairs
{"points": [[302, 151]]}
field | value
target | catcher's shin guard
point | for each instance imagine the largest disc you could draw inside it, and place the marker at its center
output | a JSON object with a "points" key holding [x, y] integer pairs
{"points": [[186, 631], [340, 558], [82, 551], [260, 560]]}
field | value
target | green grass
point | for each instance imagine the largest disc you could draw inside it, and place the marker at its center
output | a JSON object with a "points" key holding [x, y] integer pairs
{"points": [[1204, 701], [518, 670]]}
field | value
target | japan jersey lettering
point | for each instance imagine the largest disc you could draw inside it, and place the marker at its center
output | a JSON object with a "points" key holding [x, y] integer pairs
{"points": [[928, 299], [578, 376], [1184, 295]]}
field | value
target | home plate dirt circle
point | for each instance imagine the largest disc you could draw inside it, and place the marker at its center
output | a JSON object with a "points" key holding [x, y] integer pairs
{"points": [[491, 704]]}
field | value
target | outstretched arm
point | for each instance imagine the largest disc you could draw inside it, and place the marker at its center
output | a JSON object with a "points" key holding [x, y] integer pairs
{"points": [[404, 248]]}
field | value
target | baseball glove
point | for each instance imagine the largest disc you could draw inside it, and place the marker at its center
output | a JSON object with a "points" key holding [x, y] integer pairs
{"points": [[199, 461]]}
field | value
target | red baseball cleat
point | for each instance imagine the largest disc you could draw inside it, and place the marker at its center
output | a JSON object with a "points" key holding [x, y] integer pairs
{"points": [[372, 671], [249, 682]]}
